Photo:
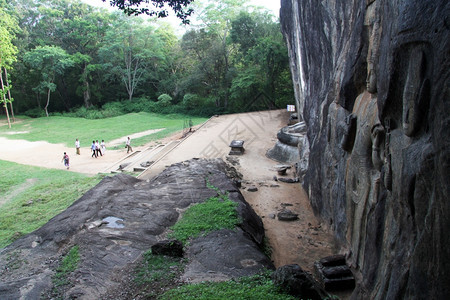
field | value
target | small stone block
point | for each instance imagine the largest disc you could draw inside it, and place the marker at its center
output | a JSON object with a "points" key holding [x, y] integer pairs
{"points": [[237, 147], [237, 144]]}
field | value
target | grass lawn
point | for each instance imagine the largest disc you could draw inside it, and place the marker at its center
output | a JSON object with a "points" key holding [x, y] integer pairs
{"points": [[31, 196], [65, 130]]}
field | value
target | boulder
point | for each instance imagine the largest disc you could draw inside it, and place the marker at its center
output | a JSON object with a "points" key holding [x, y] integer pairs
{"points": [[287, 215], [293, 280]]}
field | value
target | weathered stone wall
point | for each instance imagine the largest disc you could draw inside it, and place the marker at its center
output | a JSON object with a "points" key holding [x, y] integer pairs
{"points": [[372, 80]]}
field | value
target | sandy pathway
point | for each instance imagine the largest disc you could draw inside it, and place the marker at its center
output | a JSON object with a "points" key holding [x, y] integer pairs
{"points": [[299, 242], [44, 154]]}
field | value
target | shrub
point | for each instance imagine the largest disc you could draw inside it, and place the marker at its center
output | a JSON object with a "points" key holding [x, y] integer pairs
{"points": [[35, 113], [112, 109], [164, 100], [191, 101]]}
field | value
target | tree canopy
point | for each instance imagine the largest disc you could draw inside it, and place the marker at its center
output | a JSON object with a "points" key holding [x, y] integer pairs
{"points": [[233, 59], [137, 7]]}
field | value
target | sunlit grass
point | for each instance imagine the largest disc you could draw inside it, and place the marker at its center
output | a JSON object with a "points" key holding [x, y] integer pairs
{"points": [[65, 130]]}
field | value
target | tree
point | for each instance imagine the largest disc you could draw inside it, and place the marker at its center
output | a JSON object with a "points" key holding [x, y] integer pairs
{"points": [[134, 7], [210, 44], [8, 51], [262, 63], [49, 62], [81, 34], [131, 53]]}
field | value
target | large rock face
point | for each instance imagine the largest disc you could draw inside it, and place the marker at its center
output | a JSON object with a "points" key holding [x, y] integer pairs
{"points": [[372, 79]]}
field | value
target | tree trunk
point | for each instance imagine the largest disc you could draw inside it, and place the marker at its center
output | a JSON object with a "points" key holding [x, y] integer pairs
{"points": [[48, 101], [86, 90], [9, 96], [4, 100], [62, 91], [87, 95]]}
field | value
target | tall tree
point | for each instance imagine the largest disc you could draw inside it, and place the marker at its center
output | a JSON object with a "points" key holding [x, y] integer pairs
{"points": [[8, 51], [131, 52], [211, 45], [262, 63], [81, 33], [49, 62]]}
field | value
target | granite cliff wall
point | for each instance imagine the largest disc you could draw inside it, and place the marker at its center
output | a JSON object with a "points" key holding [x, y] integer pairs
{"points": [[372, 82]]}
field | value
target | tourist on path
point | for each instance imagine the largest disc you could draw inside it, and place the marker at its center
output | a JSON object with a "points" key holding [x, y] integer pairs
{"points": [[102, 147], [97, 148], [128, 145], [77, 146], [66, 160], [94, 153]]}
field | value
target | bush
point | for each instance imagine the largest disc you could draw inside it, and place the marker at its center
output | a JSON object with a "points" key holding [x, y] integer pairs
{"points": [[112, 109], [191, 101], [164, 100], [35, 113]]}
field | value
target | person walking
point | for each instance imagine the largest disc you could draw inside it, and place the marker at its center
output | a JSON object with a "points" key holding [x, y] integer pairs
{"points": [[77, 146], [128, 145], [102, 147], [66, 160], [97, 148], [94, 153]]}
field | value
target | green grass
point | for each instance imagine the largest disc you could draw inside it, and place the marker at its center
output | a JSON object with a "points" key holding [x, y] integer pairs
{"points": [[56, 129], [157, 268], [46, 193], [68, 264], [258, 287], [214, 214]]}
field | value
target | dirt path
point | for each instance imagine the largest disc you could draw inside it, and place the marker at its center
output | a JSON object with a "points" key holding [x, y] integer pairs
{"points": [[133, 136], [43, 154], [298, 242]]}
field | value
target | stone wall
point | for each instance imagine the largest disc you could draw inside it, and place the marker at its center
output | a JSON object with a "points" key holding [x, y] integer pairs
{"points": [[372, 80]]}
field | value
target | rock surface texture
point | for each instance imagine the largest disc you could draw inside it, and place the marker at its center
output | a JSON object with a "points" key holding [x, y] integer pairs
{"points": [[121, 218], [372, 81]]}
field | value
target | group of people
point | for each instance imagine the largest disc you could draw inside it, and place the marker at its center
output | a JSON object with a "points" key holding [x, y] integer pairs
{"points": [[97, 149]]}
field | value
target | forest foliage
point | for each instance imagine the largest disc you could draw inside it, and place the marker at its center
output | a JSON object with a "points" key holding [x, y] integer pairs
{"points": [[64, 56]]}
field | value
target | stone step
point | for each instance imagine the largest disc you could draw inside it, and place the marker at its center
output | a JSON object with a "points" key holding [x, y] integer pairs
{"points": [[115, 168], [167, 148], [144, 156]]}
